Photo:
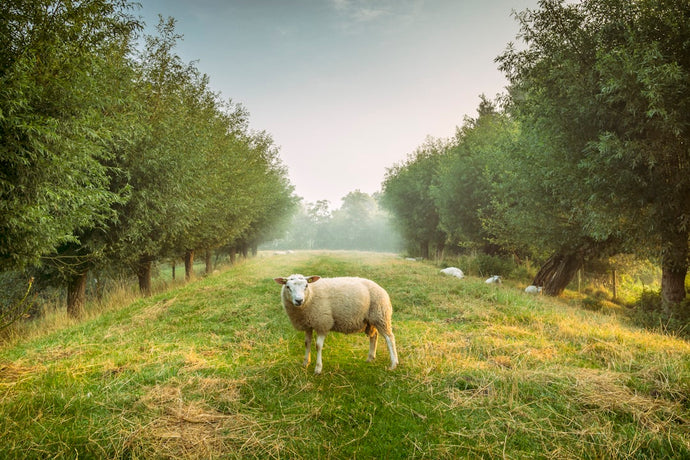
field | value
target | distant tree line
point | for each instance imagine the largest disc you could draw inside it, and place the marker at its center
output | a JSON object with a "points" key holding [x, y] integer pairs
{"points": [[587, 155], [115, 154], [359, 224]]}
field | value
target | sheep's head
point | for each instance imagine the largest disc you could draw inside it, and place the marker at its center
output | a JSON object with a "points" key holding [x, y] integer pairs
{"points": [[295, 287]]}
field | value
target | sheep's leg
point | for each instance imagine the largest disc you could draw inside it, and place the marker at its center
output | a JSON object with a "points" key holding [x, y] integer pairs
{"points": [[319, 346], [307, 347], [390, 341], [372, 346]]}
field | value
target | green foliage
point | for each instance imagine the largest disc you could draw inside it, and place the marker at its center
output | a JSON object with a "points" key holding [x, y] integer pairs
{"points": [[588, 159], [358, 224], [462, 187], [407, 194], [650, 311], [602, 89], [56, 103], [114, 160], [213, 369]]}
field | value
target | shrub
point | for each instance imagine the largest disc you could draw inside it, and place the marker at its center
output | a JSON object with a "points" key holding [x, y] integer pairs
{"points": [[649, 312]]}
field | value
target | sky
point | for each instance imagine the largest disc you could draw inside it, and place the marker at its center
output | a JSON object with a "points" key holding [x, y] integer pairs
{"points": [[346, 88]]}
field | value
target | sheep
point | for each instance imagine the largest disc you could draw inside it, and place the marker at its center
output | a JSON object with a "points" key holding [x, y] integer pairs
{"points": [[344, 304], [453, 271], [494, 279], [532, 289]]}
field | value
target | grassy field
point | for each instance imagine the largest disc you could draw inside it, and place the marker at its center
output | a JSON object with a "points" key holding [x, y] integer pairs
{"points": [[212, 369]]}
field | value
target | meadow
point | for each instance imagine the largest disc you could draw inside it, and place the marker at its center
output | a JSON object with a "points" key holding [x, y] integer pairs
{"points": [[212, 369]]}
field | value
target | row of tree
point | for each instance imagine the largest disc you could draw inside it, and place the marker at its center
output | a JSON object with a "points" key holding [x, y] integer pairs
{"points": [[587, 155], [359, 224], [115, 153]]}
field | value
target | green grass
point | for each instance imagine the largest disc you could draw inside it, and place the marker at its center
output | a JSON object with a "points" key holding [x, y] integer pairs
{"points": [[213, 369]]}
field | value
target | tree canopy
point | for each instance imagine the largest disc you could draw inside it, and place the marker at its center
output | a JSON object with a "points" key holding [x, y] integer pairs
{"points": [[603, 88], [587, 154], [116, 156]]}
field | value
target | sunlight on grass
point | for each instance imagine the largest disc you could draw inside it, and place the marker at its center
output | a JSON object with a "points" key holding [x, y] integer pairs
{"points": [[213, 369]]}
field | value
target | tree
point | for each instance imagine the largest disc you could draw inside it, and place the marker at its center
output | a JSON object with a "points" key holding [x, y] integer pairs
{"points": [[273, 201], [161, 167], [407, 195], [462, 190], [360, 224], [604, 88], [55, 58], [65, 77]]}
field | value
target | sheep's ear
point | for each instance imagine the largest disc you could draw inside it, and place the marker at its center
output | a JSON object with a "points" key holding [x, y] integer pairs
{"points": [[280, 280], [313, 279]]}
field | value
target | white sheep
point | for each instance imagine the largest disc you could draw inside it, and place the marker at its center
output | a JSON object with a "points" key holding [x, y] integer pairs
{"points": [[453, 271], [494, 279], [532, 289], [338, 304]]}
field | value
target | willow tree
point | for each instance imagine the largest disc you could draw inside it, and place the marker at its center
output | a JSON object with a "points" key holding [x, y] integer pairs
{"points": [[604, 87], [462, 191], [60, 68], [53, 154], [272, 198], [407, 195], [160, 168]]}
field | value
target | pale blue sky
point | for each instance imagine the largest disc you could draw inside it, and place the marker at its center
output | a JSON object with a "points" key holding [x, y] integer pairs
{"points": [[346, 88]]}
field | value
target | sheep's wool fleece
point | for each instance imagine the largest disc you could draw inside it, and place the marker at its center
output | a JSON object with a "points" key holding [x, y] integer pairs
{"points": [[341, 305]]}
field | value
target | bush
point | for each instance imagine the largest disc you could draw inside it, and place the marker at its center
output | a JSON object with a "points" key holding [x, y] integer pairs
{"points": [[649, 312], [15, 302], [592, 304]]}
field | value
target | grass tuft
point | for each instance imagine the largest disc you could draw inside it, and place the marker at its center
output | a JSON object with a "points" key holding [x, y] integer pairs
{"points": [[212, 369]]}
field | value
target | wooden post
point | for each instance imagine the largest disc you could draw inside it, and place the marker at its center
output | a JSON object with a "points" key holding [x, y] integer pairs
{"points": [[615, 294]]}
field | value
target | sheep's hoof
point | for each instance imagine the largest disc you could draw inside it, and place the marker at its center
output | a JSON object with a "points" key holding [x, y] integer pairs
{"points": [[393, 366], [317, 370]]}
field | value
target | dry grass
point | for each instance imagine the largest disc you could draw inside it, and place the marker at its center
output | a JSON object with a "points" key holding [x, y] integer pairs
{"points": [[184, 428], [212, 370]]}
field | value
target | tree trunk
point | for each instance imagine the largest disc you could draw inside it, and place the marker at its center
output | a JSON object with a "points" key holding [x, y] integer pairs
{"points": [[440, 250], [255, 249], [172, 266], [674, 269], [245, 251], [76, 295], [232, 255], [144, 275], [209, 261], [188, 264], [424, 246], [557, 272], [672, 287]]}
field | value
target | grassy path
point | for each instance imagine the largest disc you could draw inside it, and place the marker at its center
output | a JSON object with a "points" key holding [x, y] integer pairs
{"points": [[212, 370]]}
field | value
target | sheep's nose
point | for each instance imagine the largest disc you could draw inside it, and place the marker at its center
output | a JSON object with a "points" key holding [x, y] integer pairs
{"points": [[298, 302]]}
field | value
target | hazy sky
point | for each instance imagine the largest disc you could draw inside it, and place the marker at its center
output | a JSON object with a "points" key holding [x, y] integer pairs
{"points": [[347, 88]]}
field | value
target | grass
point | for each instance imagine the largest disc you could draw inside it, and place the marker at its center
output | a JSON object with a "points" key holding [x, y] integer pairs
{"points": [[212, 369]]}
